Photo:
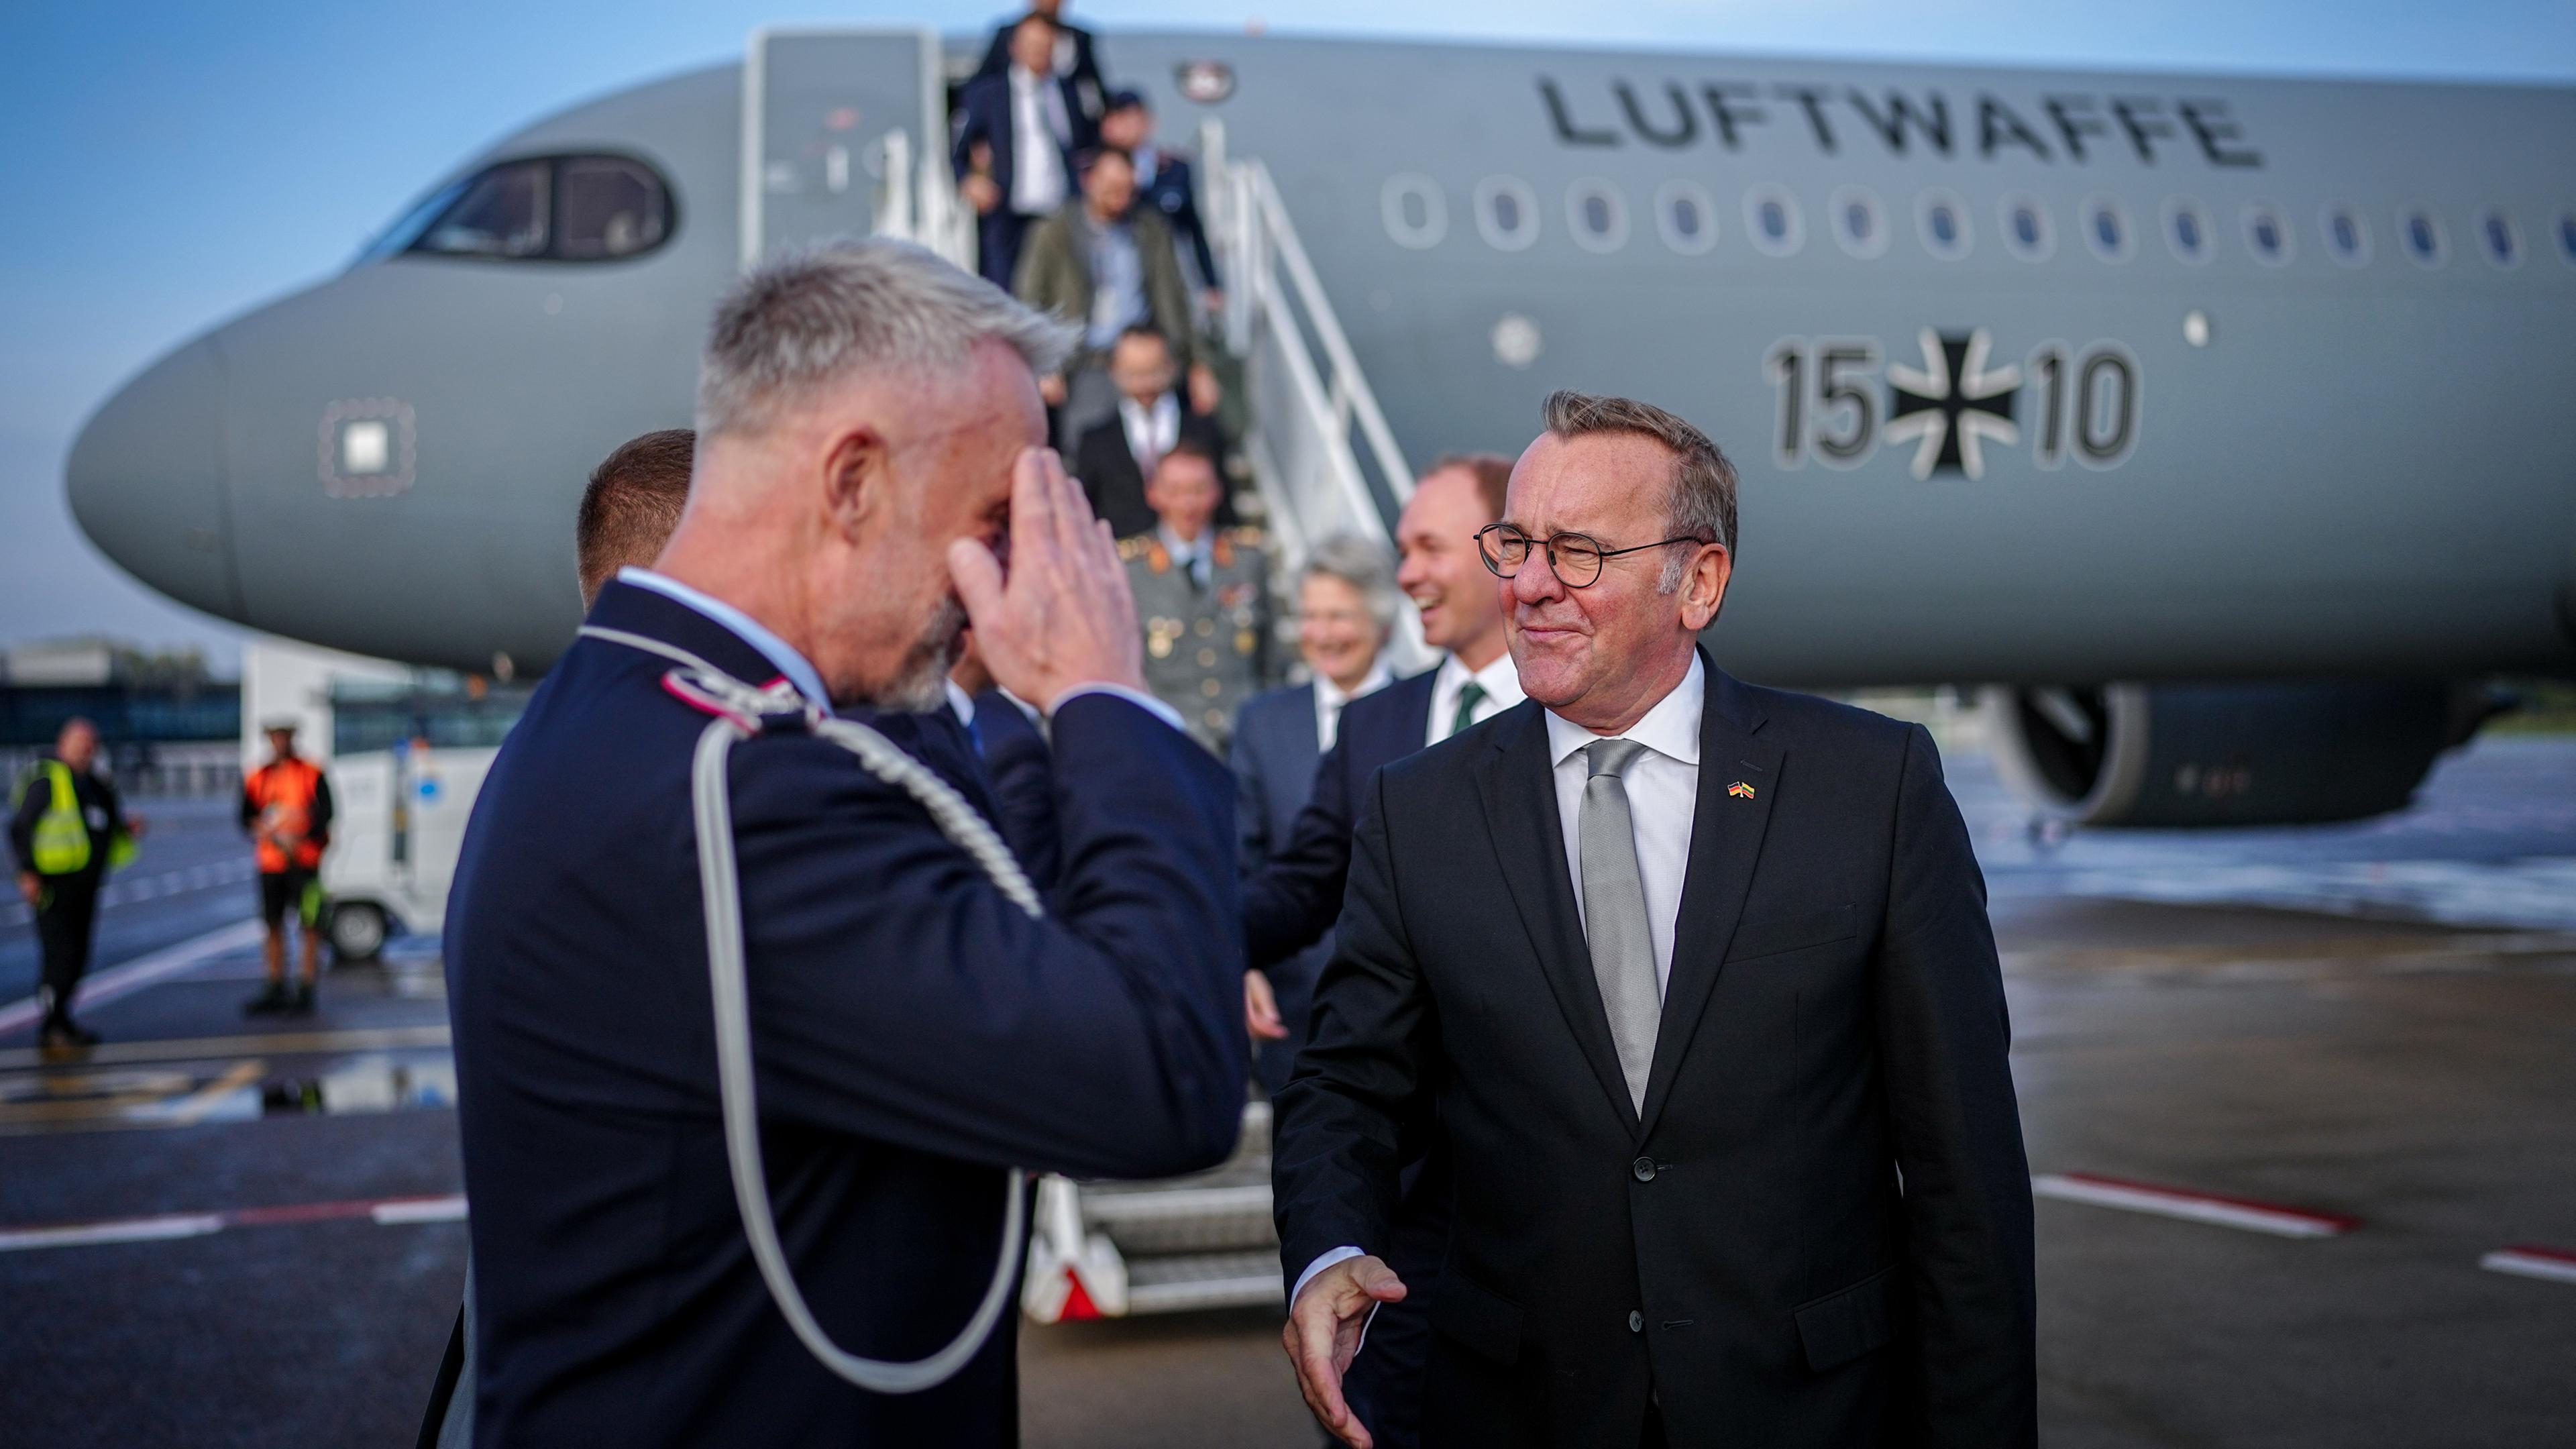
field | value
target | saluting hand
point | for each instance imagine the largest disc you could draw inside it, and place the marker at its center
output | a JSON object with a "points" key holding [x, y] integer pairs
{"points": [[1062, 615], [1323, 1336]]}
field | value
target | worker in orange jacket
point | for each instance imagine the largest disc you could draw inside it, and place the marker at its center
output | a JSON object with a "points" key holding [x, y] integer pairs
{"points": [[286, 809]]}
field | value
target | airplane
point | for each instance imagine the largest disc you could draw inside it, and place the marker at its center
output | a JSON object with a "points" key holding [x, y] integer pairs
{"points": [[2217, 426]]}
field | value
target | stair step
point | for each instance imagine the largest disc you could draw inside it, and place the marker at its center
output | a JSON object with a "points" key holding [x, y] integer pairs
{"points": [[1183, 1219], [1203, 1280]]}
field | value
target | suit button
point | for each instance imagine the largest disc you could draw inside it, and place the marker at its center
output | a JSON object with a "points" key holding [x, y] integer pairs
{"points": [[1636, 1321], [1644, 1167]]}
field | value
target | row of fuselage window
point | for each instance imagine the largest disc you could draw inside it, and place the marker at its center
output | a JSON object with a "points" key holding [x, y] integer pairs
{"points": [[1506, 212]]}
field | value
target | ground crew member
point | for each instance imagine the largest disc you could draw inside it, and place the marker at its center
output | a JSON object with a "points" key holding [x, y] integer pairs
{"points": [[68, 829], [1203, 596], [286, 808]]}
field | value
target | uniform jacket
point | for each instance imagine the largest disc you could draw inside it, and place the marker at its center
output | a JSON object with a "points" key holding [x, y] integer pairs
{"points": [[1115, 482], [914, 1034], [1818, 1230], [1022, 775], [1055, 274], [1207, 648]]}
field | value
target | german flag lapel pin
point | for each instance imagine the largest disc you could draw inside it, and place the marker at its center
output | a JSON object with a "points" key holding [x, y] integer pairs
{"points": [[1740, 790]]}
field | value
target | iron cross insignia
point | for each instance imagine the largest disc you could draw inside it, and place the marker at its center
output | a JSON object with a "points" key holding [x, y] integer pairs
{"points": [[1740, 790]]}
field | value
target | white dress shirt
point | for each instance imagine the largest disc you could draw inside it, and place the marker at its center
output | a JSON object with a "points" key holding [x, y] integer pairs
{"points": [[1191, 557], [1330, 697], [1663, 793], [1500, 677], [800, 671], [1039, 132], [1150, 431]]}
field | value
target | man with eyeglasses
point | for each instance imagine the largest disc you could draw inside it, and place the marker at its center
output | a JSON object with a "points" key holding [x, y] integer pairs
{"points": [[1692, 983]]}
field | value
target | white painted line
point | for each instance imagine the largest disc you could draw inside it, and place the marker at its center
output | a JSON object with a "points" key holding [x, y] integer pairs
{"points": [[2552, 1264], [2198, 1207], [449, 1209], [129, 1230], [133, 976]]}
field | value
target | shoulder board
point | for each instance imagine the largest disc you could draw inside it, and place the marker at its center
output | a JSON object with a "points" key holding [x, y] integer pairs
{"points": [[1247, 536], [1132, 547]]}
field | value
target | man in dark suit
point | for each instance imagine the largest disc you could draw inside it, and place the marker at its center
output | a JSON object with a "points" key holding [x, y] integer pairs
{"points": [[1294, 900], [1116, 456], [1345, 613], [1071, 58], [1019, 126], [1693, 983], [1003, 735], [869, 423], [1164, 182]]}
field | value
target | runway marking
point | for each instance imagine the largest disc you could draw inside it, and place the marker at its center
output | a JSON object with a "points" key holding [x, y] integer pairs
{"points": [[2555, 1265], [384, 1211], [128, 1230], [190, 1110], [2198, 1207], [124, 980], [221, 1048]]}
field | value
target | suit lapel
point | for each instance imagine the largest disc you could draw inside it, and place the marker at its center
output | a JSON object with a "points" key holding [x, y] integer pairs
{"points": [[1726, 840], [1516, 781]]}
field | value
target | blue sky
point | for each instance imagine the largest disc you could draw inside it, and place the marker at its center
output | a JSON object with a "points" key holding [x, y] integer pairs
{"points": [[165, 165]]}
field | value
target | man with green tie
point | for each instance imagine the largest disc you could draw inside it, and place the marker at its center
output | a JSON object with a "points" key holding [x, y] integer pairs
{"points": [[1297, 897]]}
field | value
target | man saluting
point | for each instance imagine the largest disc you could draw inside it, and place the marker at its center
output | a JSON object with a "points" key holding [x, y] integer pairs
{"points": [[1693, 984], [869, 424]]}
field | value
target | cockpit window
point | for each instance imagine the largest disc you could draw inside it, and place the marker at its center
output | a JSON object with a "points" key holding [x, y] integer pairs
{"points": [[501, 214], [554, 208], [607, 206]]}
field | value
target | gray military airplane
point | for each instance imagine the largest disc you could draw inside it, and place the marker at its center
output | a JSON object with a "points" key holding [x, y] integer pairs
{"points": [[2221, 423]]}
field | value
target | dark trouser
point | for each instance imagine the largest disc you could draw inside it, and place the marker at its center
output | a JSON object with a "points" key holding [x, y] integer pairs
{"points": [[1384, 1384], [65, 924], [997, 244]]}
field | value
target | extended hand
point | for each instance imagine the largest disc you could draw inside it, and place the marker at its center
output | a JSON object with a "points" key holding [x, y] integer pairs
{"points": [[981, 193], [1064, 615], [1323, 1334], [1261, 1008]]}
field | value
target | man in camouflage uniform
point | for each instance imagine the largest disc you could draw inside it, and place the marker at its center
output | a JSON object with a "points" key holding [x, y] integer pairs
{"points": [[1203, 596]]}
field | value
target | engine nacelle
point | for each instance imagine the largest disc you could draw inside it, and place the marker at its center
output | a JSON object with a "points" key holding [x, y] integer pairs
{"points": [[2222, 754]]}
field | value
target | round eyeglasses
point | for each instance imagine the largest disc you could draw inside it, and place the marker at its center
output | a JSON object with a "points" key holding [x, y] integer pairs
{"points": [[1575, 558]]}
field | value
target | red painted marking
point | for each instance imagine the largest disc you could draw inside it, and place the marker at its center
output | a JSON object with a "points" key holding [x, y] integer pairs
{"points": [[1078, 1306], [2340, 1221], [2555, 1255], [306, 1212]]}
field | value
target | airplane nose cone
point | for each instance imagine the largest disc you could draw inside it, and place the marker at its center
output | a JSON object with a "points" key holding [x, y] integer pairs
{"points": [[146, 480]]}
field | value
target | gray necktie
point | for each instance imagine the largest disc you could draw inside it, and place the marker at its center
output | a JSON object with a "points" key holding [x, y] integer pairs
{"points": [[1614, 914]]}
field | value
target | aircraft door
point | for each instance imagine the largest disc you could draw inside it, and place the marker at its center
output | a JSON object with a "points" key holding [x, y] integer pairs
{"points": [[818, 107]]}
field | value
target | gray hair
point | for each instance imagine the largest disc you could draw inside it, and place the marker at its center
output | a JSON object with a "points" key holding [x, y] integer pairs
{"points": [[812, 317], [1702, 503], [1361, 564]]}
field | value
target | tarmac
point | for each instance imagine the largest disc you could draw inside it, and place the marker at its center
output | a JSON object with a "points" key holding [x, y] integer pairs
{"points": [[2298, 1106]]}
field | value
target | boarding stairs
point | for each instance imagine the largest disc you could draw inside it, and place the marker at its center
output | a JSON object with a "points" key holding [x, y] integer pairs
{"points": [[844, 133]]}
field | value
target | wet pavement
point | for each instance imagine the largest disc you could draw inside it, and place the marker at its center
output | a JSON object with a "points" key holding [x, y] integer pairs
{"points": [[218, 1230]]}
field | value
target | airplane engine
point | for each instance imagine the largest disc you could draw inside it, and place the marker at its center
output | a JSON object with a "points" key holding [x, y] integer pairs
{"points": [[2223, 754]]}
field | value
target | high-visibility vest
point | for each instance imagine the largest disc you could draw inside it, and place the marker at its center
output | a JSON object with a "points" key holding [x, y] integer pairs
{"points": [[62, 836], [282, 793]]}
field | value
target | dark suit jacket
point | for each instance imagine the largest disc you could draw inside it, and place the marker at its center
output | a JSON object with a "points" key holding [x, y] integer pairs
{"points": [[1022, 776], [1744, 1251], [1084, 77], [1174, 192], [1274, 755], [984, 114], [1294, 899], [913, 1033], [1115, 483]]}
